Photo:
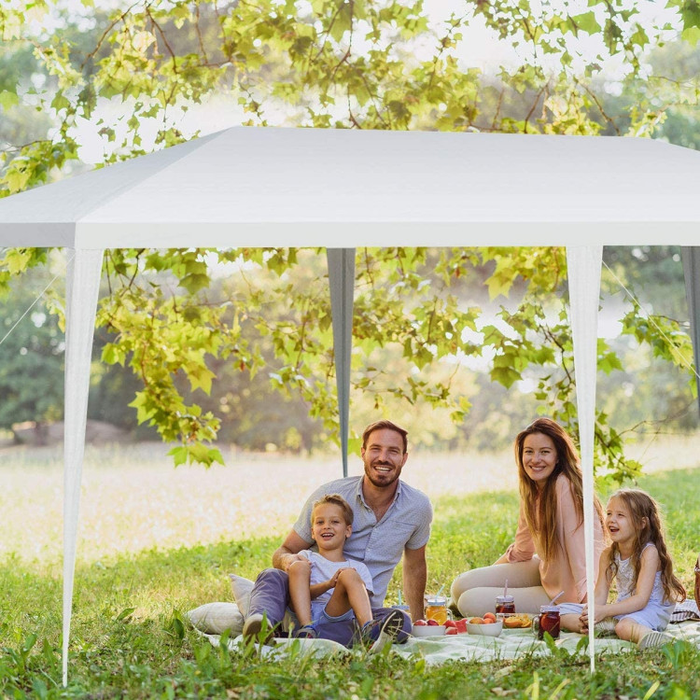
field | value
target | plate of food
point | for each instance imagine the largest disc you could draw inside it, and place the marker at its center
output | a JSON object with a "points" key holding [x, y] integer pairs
{"points": [[428, 628], [486, 625], [517, 620]]}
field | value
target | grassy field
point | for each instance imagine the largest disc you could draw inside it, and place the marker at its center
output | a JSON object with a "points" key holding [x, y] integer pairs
{"points": [[132, 499], [155, 542]]}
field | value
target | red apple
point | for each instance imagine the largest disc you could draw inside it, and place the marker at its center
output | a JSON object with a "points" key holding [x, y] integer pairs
{"points": [[451, 630], [420, 623], [433, 623]]}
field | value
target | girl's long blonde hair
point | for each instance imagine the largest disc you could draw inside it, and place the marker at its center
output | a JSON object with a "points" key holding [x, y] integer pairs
{"points": [[541, 504], [643, 507]]}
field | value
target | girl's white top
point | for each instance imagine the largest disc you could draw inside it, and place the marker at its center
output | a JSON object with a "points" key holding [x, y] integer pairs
{"points": [[627, 584]]}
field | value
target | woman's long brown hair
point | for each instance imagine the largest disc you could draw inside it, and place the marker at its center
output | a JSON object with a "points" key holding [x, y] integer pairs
{"points": [[541, 504], [642, 506]]}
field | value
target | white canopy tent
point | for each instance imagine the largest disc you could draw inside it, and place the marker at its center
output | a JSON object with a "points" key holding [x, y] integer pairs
{"points": [[340, 189]]}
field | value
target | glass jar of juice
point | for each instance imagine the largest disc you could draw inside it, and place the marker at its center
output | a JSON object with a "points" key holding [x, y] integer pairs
{"points": [[548, 621], [436, 609], [505, 604]]}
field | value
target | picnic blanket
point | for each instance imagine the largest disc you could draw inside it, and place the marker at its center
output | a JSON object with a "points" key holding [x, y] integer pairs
{"points": [[511, 644], [212, 618]]}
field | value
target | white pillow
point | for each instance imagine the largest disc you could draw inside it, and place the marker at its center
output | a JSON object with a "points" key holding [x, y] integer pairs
{"points": [[241, 591], [215, 618]]}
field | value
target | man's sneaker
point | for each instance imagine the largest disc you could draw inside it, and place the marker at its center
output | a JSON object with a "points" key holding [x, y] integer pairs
{"points": [[306, 632], [376, 634], [651, 640], [253, 626]]}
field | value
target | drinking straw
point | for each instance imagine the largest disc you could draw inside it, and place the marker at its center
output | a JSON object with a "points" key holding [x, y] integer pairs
{"points": [[556, 597], [505, 590]]}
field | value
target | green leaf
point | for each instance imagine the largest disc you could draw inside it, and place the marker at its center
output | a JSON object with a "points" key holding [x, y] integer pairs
{"points": [[179, 455], [690, 14], [111, 354], [342, 21], [143, 408], [8, 99], [587, 22], [60, 101], [609, 362], [691, 35], [505, 376], [200, 378], [215, 456]]}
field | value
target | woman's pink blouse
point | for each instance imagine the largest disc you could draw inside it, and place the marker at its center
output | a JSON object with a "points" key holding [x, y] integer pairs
{"points": [[567, 570]]}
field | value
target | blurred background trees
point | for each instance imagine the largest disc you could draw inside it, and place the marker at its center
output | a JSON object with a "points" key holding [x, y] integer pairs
{"points": [[31, 357]]}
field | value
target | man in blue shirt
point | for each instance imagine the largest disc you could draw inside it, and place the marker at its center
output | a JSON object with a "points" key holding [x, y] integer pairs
{"points": [[391, 520]]}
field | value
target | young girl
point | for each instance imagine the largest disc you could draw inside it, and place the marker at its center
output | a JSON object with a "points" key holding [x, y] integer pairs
{"points": [[548, 554], [639, 561]]}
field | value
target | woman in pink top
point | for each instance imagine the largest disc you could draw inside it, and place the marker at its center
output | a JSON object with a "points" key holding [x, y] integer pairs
{"points": [[548, 554]]}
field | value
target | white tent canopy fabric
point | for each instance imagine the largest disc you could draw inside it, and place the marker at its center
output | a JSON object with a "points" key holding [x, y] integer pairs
{"points": [[272, 187], [341, 189]]}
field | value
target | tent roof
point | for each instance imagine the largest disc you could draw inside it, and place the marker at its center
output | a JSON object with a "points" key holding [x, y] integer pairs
{"points": [[346, 188]]}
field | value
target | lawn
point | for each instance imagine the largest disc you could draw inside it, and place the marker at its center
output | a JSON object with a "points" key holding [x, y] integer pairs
{"points": [[156, 542]]}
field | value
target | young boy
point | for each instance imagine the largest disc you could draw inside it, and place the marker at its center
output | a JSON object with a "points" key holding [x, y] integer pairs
{"points": [[327, 587]]}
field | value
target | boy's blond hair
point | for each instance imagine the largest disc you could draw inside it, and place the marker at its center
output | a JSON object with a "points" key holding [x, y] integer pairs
{"points": [[337, 500]]}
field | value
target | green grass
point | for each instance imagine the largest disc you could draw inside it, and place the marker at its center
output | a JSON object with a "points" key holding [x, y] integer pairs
{"points": [[128, 637]]}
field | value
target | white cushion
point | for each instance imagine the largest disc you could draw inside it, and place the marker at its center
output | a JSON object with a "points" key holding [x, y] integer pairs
{"points": [[216, 618], [241, 591]]}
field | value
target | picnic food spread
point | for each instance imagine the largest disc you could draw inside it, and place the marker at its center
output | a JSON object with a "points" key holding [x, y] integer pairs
{"points": [[487, 624], [438, 619]]}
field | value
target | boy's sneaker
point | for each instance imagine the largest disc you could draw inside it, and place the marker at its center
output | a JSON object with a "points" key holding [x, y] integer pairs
{"points": [[252, 627], [652, 640], [306, 632], [376, 634]]}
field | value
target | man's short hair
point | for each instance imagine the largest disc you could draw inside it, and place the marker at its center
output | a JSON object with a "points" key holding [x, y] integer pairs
{"points": [[385, 425], [334, 499]]}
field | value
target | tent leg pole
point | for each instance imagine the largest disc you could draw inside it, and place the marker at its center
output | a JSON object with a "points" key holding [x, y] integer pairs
{"points": [[82, 287], [341, 278], [691, 272], [584, 266]]}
